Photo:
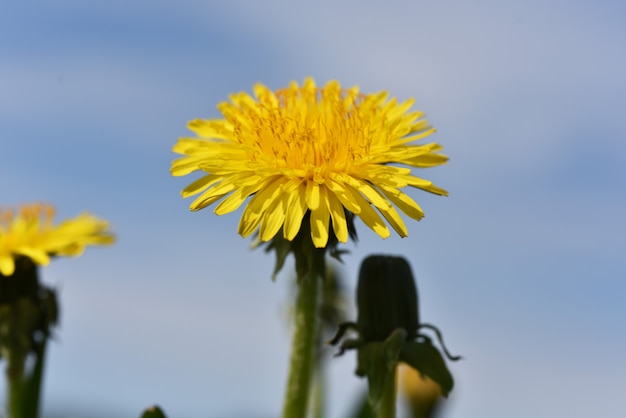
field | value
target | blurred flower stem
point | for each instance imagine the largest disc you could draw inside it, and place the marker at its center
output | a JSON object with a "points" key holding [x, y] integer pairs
{"points": [[302, 348], [28, 313], [24, 390], [387, 406], [15, 386]]}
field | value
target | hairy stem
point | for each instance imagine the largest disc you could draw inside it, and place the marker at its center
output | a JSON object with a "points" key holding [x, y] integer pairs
{"points": [[302, 348]]}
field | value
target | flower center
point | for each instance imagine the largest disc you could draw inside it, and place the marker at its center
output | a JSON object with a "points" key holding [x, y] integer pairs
{"points": [[312, 132]]}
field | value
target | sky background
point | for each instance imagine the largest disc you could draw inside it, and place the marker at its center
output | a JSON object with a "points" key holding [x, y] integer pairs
{"points": [[522, 266]]}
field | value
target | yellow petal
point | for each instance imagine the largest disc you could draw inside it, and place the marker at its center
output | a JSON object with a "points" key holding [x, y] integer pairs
{"points": [[296, 209], [212, 195], [320, 220], [185, 165], [7, 265], [339, 190], [198, 185], [367, 214], [248, 222], [312, 194], [273, 217], [236, 199], [264, 94], [41, 257], [338, 215], [371, 194], [403, 202], [258, 204], [211, 128], [428, 160], [426, 185], [395, 220], [190, 146]]}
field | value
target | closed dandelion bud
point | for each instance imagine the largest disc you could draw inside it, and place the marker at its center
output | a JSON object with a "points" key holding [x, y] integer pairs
{"points": [[388, 328], [386, 298]]}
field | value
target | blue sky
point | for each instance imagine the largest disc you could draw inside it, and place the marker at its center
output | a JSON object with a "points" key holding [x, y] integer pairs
{"points": [[522, 266]]}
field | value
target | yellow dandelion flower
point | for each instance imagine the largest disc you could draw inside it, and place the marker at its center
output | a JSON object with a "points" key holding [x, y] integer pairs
{"points": [[305, 149], [29, 232]]}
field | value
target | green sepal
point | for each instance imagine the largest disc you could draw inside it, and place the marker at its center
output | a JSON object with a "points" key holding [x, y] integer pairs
{"points": [[427, 360], [308, 259], [153, 412], [371, 363], [281, 247], [378, 361], [392, 347], [336, 254]]}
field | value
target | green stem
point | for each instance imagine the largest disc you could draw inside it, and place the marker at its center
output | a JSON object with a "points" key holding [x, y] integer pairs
{"points": [[15, 386], [317, 398], [32, 391], [302, 348], [387, 406], [15, 399], [24, 387]]}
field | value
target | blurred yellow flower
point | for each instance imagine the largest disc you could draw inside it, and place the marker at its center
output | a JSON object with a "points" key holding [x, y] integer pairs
{"points": [[308, 149], [29, 232], [422, 394]]}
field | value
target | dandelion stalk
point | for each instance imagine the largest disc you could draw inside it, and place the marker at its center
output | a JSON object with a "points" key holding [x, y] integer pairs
{"points": [[387, 405], [32, 386], [302, 349], [24, 388], [15, 386]]}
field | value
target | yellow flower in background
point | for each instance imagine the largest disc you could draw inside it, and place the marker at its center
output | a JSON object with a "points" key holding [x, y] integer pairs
{"points": [[29, 232], [422, 394], [308, 149]]}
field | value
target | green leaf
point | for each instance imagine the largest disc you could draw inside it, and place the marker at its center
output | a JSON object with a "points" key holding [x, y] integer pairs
{"points": [[426, 359]]}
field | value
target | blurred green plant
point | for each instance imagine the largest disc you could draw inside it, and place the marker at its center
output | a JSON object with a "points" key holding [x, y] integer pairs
{"points": [[28, 314], [29, 311], [153, 412]]}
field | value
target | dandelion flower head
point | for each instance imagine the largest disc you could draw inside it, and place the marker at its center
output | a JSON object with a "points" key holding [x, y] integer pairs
{"points": [[305, 149], [29, 232]]}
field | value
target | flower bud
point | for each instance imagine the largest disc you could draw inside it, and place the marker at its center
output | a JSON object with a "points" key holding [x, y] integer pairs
{"points": [[386, 298]]}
